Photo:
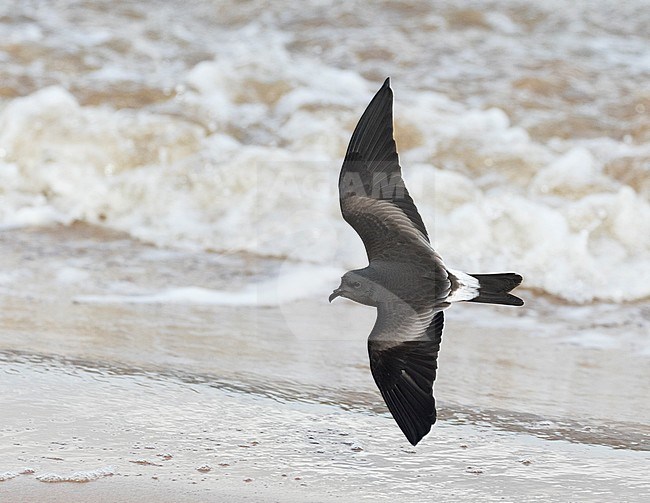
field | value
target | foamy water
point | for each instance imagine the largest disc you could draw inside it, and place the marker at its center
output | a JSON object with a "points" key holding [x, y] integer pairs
{"points": [[81, 476], [284, 288], [223, 128], [170, 232]]}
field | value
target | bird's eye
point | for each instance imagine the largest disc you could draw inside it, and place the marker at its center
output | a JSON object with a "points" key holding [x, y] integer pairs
{"points": [[356, 284]]}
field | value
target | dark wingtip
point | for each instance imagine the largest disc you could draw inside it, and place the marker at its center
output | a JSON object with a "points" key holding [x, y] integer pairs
{"points": [[414, 437], [386, 83], [414, 440]]}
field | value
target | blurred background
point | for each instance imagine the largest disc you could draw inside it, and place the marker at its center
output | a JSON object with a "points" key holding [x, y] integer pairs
{"points": [[220, 126], [168, 209]]}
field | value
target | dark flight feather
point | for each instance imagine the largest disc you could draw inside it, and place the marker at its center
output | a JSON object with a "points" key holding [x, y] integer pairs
{"points": [[371, 167], [404, 373]]}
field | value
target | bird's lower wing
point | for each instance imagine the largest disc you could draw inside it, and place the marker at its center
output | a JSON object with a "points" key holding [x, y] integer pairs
{"points": [[405, 368]]}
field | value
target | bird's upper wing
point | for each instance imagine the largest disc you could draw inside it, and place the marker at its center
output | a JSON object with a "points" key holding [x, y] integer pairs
{"points": [[403, 348], [374, 199]]}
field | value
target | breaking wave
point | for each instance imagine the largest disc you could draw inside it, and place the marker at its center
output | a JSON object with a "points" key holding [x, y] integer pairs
{"points": [[242, 153]]}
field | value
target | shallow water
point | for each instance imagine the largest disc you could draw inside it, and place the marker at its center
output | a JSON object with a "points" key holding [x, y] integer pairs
{"points": [[222, 127], [170, 231], [196, 439], [104, 382]]}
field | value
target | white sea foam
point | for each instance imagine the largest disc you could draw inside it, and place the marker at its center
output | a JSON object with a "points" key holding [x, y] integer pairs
{"points": [[71, 275], [593, 340], [298, 283], [80, 476], [245, 157], [8, 476]]}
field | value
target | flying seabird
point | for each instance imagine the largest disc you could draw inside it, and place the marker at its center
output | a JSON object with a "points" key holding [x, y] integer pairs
{"points": [[406, 279]]}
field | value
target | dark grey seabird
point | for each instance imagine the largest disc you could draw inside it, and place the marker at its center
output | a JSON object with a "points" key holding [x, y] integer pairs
{"points": [[406, 279]]}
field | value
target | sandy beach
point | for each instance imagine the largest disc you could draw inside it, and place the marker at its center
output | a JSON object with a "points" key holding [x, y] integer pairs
{"points": [[105, 401], [170, 232]]}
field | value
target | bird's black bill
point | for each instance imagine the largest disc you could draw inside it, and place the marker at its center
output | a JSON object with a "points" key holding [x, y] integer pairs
{"points": [[336, 293]]}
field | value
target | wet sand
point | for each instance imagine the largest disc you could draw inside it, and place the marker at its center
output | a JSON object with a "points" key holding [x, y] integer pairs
{"points": [[545, 403], [158, 435], [203, 366], [200, 441]]}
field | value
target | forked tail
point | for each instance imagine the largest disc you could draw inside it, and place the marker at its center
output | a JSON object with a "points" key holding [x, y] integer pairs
{"points": [[495, 288]]}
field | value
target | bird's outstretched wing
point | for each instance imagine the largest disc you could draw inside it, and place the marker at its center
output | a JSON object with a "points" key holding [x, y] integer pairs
{"points": [[374, 199], [403, 348]]}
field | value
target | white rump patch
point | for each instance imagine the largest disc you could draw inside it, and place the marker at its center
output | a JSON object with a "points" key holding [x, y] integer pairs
{"points": [[468, 287]]}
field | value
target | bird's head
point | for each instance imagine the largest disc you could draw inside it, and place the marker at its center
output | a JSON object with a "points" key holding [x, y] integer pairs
{"points": [[357, 287]]}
